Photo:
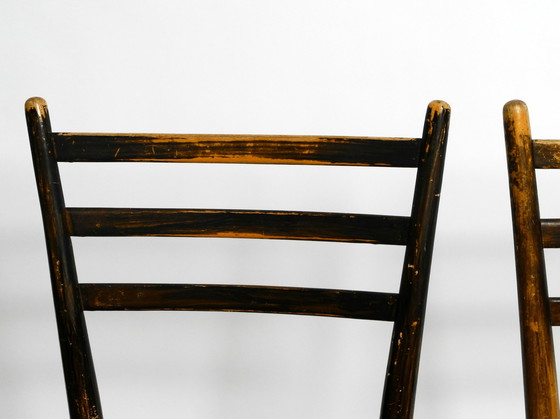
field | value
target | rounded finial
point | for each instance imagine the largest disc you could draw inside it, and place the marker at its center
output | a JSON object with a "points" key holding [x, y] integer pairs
{"points": [[38, 104], [515, 107]]}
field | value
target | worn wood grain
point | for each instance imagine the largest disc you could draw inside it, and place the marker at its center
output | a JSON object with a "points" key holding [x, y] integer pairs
{"points": [[546, 154], [357, 228], [310, 150], [539, 370], [406, 309], [554, 311], [263, 299], [404, 357], [79, 373], [550, 228]]}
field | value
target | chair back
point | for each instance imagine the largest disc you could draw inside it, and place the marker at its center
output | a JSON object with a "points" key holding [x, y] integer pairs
{"points": [[537, 312], [405, 308]]}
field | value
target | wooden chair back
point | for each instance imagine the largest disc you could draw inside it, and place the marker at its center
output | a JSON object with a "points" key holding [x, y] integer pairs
{"points": [[537, 312], [406, 309]]}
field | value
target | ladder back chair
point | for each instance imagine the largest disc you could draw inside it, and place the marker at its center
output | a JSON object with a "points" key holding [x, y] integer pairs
{"points": [[406, 309], [537, 312]]}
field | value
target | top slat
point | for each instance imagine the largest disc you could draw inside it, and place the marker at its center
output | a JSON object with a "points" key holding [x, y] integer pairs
{"points": [[546, 154], [277, 149]]}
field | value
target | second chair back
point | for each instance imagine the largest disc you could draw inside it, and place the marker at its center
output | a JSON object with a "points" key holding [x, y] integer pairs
{"points": [[537, 312]]}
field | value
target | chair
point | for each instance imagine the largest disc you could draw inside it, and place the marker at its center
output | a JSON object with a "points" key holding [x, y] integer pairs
{"points": [[537, 312], [406, 309]]}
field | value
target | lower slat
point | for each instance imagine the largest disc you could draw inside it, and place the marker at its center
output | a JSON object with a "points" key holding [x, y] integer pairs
{"points": [[241, 298], [555, 311]]}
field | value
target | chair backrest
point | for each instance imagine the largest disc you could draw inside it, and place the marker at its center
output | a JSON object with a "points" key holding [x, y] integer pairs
{"points": [[406, 309], [537, 312]]}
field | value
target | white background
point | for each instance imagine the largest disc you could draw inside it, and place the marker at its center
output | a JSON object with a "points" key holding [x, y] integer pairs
{"points": [[263, 67]]}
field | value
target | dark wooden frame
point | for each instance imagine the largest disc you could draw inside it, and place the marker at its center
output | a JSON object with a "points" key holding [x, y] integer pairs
{"points": [[537, 312], [406, 309]]}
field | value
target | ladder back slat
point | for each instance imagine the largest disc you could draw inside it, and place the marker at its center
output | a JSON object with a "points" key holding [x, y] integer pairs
{"points": [[277, 149], [555, 311], [357, 228], [550, 232], [265, 299], [546, 154]]}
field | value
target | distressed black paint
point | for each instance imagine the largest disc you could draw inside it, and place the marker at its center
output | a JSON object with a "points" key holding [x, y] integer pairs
{"points": [[356, 228], [416, 232], [263, 299], [272, 149], [79, 374]]}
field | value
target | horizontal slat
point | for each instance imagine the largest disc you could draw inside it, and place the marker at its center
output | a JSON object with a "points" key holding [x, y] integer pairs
{"points": [[307, 301], [279, 149], [555, 311], [546, 154], [551, 232], [357, 228]]}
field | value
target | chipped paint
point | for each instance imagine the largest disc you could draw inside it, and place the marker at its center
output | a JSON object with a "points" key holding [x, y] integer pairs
{"points": [[38, 105]]}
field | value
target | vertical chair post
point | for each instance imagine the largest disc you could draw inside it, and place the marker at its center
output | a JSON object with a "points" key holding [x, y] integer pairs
{"points": [[79, 373], [539, 371], [404, 358]]}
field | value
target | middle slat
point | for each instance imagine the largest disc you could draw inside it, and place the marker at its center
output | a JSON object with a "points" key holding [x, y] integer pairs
{"points": [[357, 228]]}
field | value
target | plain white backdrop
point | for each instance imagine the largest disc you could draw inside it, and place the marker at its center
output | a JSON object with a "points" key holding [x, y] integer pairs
{"points": [[262, 67]]}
